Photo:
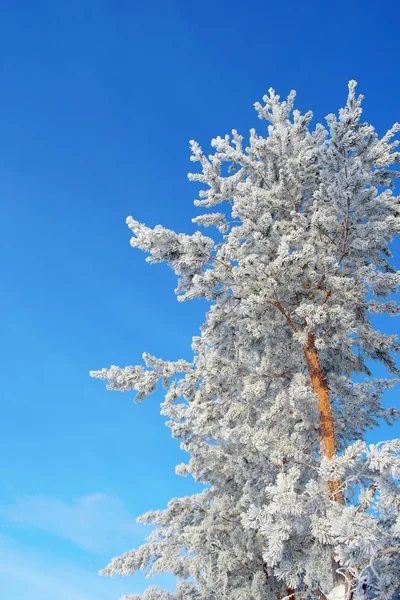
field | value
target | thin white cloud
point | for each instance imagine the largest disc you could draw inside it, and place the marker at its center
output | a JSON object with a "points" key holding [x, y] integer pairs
{"points": [[26, 574], [96, 523]]}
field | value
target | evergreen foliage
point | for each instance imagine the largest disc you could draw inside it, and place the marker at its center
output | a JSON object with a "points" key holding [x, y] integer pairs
{"points": [[274, 408]]}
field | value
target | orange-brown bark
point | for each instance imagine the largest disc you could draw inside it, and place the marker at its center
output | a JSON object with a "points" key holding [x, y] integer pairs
{"points": [[320, 387]]}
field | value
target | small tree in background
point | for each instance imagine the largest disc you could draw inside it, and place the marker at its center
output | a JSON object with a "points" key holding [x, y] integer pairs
{"points": [[296, 504]]}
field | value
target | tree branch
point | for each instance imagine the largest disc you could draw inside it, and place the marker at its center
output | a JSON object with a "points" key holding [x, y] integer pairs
{"points": [[279, 306], [346, 232], [320, 594], [393, 550], [372, 488]]}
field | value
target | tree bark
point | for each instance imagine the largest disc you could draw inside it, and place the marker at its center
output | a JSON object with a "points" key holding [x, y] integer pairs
{"points": [[320, 386]]}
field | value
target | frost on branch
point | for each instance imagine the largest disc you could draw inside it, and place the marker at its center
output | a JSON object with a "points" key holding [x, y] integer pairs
{"points": [[184, 591], [139, 379], [274, 408], [186, 254]]}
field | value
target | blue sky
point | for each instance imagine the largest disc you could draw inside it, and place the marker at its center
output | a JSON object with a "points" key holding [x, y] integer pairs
{"points": [[98, 102]]}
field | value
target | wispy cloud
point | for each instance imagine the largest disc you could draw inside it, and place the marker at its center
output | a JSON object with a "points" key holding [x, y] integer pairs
{"points": [[96, 523], [25, 574]]}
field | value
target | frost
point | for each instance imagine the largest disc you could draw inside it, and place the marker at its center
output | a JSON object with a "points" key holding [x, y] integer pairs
{"points": [[296, 505]]}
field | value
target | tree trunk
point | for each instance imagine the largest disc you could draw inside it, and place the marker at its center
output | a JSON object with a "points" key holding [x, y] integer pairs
{"points": [[319, 385]]}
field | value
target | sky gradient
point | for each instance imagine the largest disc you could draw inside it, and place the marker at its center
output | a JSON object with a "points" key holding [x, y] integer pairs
{"points": [[98, 103]]}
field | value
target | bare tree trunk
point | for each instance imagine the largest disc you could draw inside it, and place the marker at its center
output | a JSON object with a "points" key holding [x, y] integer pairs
{"points": [[327, 429], [320, 386]]}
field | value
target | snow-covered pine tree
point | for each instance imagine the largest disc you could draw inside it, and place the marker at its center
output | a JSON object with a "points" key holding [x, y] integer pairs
{"points": [[296, 503]]}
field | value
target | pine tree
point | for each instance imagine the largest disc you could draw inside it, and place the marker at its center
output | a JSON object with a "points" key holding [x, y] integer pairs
{"points": [[274, 408]]}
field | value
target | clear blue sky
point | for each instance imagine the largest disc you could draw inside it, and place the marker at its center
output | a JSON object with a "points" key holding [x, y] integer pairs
{"points": [[98, 102]]}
